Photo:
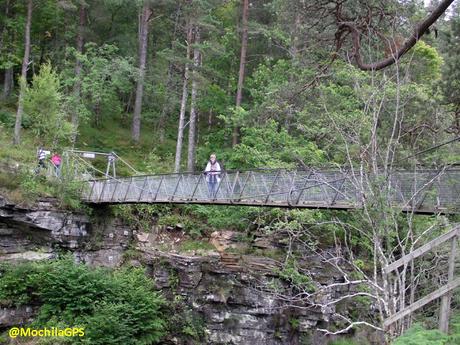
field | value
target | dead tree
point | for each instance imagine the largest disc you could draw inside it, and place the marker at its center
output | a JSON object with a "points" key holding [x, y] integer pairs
{"points": [[183, 104]]}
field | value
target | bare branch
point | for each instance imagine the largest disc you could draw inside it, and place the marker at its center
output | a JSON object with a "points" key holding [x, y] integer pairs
{"points": [[419, 31]]}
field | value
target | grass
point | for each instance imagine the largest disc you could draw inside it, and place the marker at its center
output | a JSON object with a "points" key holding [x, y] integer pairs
{"points": [[12, 155], [9, 181], [191, 245], [115, 135]]}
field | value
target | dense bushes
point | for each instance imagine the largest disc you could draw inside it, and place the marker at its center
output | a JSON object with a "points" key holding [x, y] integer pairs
{"points": [[418, 335], [114, 307]]}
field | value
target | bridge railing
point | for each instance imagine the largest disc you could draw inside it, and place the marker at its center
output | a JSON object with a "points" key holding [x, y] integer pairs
{"points": [[420, 190]]}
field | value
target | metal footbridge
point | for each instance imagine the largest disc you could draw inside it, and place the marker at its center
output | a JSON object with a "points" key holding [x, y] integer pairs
{"points": [[419, 191]]}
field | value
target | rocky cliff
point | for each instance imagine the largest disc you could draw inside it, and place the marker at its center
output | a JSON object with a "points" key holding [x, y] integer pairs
{"points": [[226, 290]]}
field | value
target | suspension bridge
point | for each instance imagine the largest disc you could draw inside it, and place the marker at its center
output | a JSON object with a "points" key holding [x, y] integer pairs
{"points": [[420, 191]]}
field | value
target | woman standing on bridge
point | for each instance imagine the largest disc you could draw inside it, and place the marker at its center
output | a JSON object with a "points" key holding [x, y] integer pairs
{"points": [[212, 171]]}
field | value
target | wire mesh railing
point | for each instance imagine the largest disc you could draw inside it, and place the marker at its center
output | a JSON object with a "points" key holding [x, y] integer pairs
{"points": [[422, 191]]}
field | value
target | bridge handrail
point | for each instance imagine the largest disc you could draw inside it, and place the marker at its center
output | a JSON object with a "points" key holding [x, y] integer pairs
{"points": [[343, 169]]}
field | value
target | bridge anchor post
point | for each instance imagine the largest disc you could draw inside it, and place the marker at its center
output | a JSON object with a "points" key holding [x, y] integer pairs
{"points": [[444, 310]]}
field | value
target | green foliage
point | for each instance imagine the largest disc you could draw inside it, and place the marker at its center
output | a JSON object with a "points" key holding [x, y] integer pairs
{"points": [[183, 321], [43, 104], [141, 217], [118, 307], [66, 188], [427, 64], [105, 75], [7, 119], [271, 147], [192, 227], [188, 246], [454, 328], [34, 185], [9, 181], [299, 280], [295, 323], [417, 335], [218, 217]]}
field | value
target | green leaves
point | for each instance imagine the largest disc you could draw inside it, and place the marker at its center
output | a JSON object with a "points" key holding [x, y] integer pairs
{"points": [[105, 76], [427, 65], [43, 103], [417, 335], [118, 307], [272, 147]]}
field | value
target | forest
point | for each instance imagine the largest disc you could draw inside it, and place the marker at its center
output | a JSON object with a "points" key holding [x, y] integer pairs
{"points": [[367, 87]]}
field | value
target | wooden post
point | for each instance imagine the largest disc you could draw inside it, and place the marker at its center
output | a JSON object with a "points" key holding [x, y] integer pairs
{"points": [[444, 292], [422, 302], [444, 311]]}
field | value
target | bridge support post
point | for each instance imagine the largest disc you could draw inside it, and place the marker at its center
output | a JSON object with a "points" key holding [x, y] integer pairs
{"points": [[127, 188], [177, 186], [114, 191], [196, 187], [272, 186], [444, 310], [159, 186], [291, 189], [232, 190], [339, 190], [244, 185]]}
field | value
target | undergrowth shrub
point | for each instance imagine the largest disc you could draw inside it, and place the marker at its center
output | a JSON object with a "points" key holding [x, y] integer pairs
{"points": [[114, 307], [418, 335]]}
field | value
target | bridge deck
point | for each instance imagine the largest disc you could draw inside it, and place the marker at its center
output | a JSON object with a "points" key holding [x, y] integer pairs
{"points": [[424, 191]]}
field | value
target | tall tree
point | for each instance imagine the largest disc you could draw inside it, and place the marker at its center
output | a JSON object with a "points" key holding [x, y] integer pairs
{"points": [[8, 78], [25, 64], [183, 104], [78, 66], [193, 110], [9, 71], [143, 39], [167, 105], [241, 74], [451, 75]]}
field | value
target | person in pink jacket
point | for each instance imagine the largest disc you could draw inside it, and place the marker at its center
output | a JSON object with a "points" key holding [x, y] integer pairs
{"points": [[56, 160]]}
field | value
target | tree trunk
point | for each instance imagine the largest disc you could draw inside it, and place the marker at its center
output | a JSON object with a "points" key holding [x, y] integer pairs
{"points": [[25, 64], [183, 105], [244, 47], [143, 35], [444, 310], [78, 66], [8, 83], [193, 115], [210, 119], [167, 103], [97, 114], [294, 49]]}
